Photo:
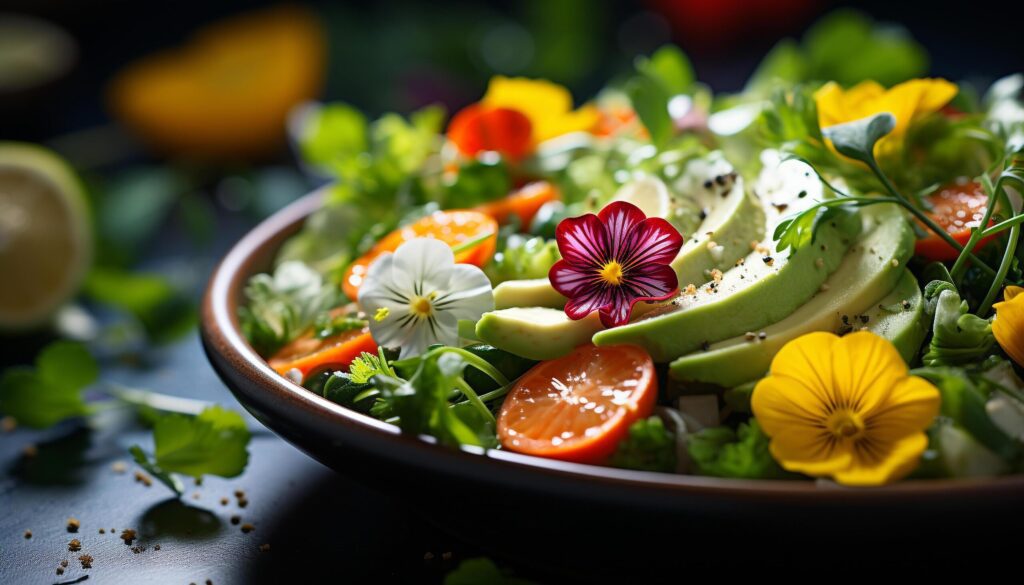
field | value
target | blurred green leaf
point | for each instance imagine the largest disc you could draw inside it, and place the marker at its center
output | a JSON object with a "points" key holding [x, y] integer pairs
{"points": [[785, 62], [164, 312], [670, 67], [650, 100], [847, 47], [51, 392]]}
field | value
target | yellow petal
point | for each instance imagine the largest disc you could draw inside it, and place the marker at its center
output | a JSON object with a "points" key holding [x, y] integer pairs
{"points": [[811, 455], [808, 358], [781, 403], [879, 463], [547, 105], [866, 367], [911, 407], [1008, 326]]}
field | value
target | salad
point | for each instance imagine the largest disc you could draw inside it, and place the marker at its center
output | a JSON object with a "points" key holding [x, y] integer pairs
{"points": [[816, 277]]}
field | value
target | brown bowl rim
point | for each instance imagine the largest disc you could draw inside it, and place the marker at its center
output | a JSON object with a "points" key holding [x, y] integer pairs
{"points": [[222, 335]]}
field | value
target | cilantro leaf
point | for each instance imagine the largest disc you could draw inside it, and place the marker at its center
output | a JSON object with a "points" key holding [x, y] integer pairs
{"points": [[51, 392], [212, 443], [743, 453], [648, 447]]}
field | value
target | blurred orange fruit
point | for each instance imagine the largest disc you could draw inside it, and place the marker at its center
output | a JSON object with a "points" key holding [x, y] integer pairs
{"points": [[225, 94]]}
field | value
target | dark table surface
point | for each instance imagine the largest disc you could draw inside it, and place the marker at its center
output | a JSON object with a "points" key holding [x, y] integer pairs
{"points": [[316, 522]]}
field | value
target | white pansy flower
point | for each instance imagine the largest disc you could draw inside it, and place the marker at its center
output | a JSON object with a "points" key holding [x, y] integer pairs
{"points": [[416, 296]]}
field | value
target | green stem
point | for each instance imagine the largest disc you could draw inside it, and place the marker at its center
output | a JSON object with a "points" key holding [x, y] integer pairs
{"points": [[157, 401], [462, 247], [475, 361], [923, 218], [498, 393], [1015, 220], [1004, 268], [474, 399]]}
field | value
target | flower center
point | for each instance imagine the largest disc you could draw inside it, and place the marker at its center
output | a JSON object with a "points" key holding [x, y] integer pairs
{"points": [[612, 273], [845, 424], [421, 307]]}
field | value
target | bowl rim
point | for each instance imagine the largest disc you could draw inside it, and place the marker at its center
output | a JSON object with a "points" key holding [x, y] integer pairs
{"points": [[225, 343]]}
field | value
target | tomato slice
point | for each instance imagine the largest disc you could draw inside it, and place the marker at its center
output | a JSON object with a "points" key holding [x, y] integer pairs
{"points": [[451, 227], [309, 354], [956, 208], [580, 406], [522, 203], [477, 128]]}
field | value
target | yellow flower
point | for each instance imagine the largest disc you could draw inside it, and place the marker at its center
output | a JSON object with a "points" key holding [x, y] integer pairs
{"points": [[1008, 326], [906, 101], [845, 407], [547, 105]]}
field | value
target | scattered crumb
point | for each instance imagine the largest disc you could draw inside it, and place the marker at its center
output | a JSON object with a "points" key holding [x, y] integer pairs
{"points": [[75, 545], [128, 535], [768, 260], [60, 571], [711, 244], [137, 549], [8, 424], [118, 467], [143, 478], [236, 519], [195, 496], [264, 548], [30, 450], [762, 335], [64, 563], [103, 531], [156, 547], [895, 263], [239, 494], [247, 528], [691, 289], [750, 336], [243, 503], [224, 501], [28, 534], [716, 275], [209, 582], [86, 561], [73, 524], [199, 481]]}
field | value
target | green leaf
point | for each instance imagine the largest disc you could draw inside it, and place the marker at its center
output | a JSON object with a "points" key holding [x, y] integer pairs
{"points": [[857, 139], [743, 453], [480, 571], [67, 363], [650, 100], [522, 258], [847, 47], [162, 476], [164, 312], [51, 392], [648, 447], [784, 63], [333, 132], [669, 67], [478, 181], [283, 306], [214, 442]]}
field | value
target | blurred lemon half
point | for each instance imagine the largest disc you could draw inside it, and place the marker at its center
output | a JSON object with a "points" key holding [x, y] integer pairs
{"points": [[45, 234]]}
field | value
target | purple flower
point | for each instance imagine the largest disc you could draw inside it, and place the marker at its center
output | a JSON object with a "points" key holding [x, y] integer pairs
{"points": [[613, 260]]}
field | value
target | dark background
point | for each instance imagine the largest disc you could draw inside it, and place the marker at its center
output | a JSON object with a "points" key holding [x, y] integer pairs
{"points": [[384, 55]]}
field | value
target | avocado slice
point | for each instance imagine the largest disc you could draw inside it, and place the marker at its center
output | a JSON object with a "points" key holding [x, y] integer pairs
{"points": [[734, 219], [538, 333], [765, 288], [534, 292], [867, 274], [899, 317]]}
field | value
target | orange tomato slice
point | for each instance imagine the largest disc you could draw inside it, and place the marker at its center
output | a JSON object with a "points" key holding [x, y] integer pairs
{"points": [[956, 208], [478, 128], [523, 203], [309, 354], [451, 227], [580, 406]]}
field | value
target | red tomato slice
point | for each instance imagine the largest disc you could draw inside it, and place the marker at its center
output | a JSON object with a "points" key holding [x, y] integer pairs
{"points": [[580, 406], [956, 208]]}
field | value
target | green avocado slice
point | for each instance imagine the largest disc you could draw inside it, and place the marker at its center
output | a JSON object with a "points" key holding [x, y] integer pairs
{"points": [[899, 317], [538, 333], [868, 273], [764, 288]]}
